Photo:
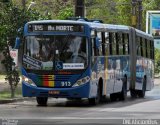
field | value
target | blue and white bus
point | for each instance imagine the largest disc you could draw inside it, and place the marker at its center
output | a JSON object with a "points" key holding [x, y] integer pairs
{"points": [[80, 59]]}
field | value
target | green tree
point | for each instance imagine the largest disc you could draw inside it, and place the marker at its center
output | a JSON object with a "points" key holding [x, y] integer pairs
{"points": [[58, 9], [101, 9], [12, 19], [65, 13], [157, 61], [118, 11], [124, 10]]}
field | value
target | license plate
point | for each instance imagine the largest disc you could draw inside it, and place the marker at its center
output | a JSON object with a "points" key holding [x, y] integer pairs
{"points": [[53, 92]]}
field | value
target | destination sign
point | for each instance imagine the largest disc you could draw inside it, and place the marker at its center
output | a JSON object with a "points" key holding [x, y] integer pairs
{"points": [[55, 28]]}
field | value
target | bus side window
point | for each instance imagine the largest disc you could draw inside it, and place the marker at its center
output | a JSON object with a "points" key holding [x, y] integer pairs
{"points": [[93, 47], [99, 35], [138, 46], [143, 47], [110, 44], [148, 49], [103, 43], [107, 46], [114, 44], [126, 42], [120, 43], [95, 51], [117, 43]]}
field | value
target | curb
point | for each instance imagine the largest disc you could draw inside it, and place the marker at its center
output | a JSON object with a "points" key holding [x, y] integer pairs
{"points": [[15, 100]]}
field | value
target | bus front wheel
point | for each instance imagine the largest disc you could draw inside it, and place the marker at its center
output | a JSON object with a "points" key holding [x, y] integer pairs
{"points": [[42, 101], [96, 100]]}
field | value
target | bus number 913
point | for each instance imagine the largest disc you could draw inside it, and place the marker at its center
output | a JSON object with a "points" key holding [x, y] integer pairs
{"points": [[65, 83]]}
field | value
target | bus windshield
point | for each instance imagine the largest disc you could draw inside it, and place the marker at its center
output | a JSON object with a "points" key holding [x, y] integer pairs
{"points": [[55, 52]]}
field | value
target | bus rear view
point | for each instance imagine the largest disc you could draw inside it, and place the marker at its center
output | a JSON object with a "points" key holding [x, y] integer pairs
{"points": [[55, 61]]}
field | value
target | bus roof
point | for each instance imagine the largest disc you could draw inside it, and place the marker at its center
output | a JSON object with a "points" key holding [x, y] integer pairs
{"points": [[93, 25], [141, 33]]}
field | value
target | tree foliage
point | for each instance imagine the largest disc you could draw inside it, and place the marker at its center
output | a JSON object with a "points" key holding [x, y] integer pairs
{"points": [[118, 11], [157, 61], [57, 9]]}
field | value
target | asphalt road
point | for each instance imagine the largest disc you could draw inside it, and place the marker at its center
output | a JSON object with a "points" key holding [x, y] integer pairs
{"points": [[64, 112]]}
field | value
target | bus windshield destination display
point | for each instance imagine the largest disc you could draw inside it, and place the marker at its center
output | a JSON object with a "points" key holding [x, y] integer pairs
{"points": [[55, 28]]}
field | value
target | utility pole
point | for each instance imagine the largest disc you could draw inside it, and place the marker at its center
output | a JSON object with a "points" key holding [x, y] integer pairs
{"points": [[137, 20], [134, 17], [139, 14], [79, 8]]}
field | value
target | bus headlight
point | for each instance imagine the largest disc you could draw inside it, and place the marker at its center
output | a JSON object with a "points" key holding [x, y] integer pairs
{"points": [[27, 80], [82, 81]]}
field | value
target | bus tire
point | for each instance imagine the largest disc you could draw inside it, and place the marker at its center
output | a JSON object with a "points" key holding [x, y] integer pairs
{"points": [[96, 100], [123, 93], [42, 101], [133, 93], [141, 93], [74, 99], [113, 97]]}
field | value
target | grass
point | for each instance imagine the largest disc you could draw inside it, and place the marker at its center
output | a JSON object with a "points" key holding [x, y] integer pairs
{"points": [[2, 76], [6, 94]]}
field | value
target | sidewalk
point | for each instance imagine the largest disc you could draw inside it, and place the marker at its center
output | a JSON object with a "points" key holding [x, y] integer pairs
{"points": [[4, 101], [4, 86], [156, 81]]}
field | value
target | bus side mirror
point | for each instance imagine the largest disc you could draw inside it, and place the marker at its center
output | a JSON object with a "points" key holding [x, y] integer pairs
{"points": [[97, 43], [17, 43]]}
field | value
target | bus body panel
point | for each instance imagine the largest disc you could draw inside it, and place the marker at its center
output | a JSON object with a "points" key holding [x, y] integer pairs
{"points": [[57, 82], [76, 92], [112, 71], [144, 67], [141, 67]]}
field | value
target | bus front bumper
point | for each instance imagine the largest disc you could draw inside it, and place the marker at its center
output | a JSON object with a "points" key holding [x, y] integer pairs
{"points": [[74, 92]]}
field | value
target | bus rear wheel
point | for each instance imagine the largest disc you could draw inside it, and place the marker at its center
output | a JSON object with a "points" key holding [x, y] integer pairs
{"points": [[42, 101], [133, 93], [113, 97], [123, 93], [141, 93]]}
